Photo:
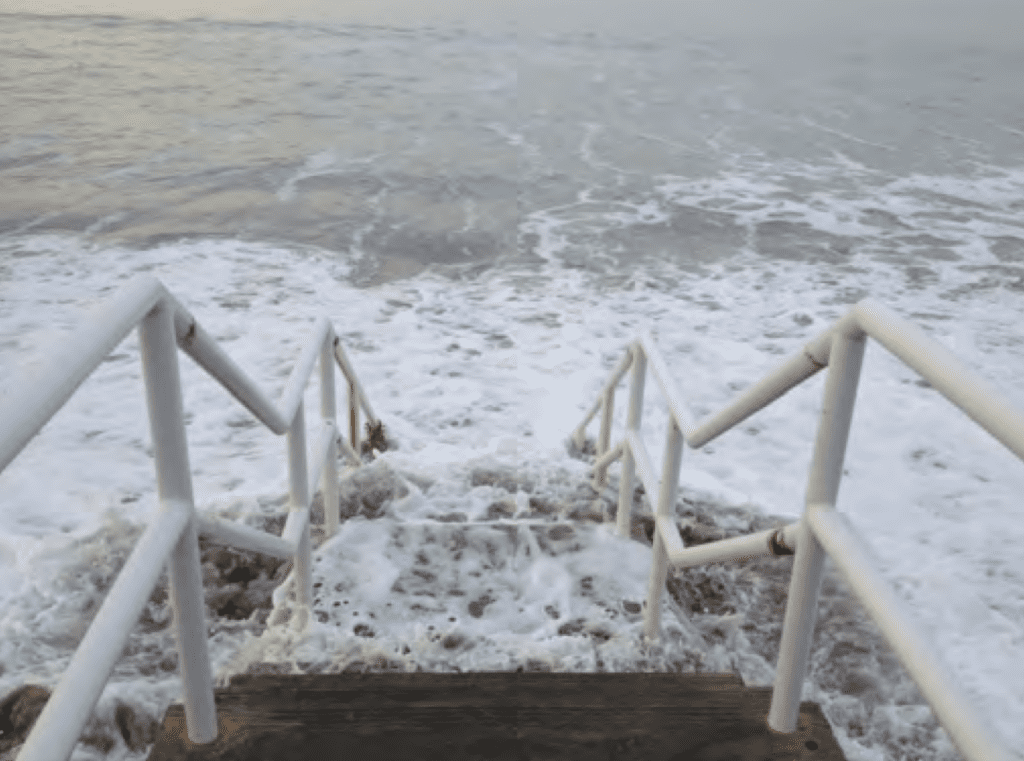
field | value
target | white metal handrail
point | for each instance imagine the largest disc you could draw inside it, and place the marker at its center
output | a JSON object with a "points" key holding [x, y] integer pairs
{"points": [[821, 529], [172, 535]]}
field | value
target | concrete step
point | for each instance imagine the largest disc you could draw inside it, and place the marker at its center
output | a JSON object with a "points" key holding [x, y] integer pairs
{"points": [[497, 716]]}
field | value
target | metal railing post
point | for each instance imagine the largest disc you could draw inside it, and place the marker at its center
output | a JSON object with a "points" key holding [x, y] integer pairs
{"points": [[329, 479], [633, 418], [845, 361], [821, 528], [171, 539], [174, 482], [607, 408], [666, 508], [298, 490], [353, 415]]}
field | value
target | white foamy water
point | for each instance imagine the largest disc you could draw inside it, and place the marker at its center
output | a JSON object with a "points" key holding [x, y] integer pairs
{"points": [[499, 369]]}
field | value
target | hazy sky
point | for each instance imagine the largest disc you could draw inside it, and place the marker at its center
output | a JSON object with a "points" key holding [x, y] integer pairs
{"points": [[998, 21]]}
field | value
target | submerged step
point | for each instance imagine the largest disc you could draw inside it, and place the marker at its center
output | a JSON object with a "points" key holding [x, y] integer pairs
{"points": [[496, 715]]}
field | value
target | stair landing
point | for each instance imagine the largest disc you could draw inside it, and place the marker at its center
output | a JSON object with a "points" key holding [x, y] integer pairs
{"points": [[513, 716]]}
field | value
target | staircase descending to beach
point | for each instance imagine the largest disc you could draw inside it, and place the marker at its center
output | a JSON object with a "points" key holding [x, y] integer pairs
{"points": [[486, 715], [496, 715]]}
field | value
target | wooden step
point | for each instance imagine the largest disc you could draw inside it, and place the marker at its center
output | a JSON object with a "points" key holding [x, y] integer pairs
{"points": [[497, 716]]}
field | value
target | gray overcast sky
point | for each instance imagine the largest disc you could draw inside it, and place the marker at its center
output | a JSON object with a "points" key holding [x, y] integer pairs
{"points": [[996, 21]]}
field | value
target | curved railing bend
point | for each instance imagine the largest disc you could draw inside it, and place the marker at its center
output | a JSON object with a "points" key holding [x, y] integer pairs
{"points": [[172, 535], [822, 529]]}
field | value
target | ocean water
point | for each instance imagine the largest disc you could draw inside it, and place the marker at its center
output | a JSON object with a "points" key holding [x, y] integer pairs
{"points": [[489, 204]]}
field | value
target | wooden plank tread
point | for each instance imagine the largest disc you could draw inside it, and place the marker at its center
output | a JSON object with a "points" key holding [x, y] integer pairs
{"points": [[497, 715]]}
